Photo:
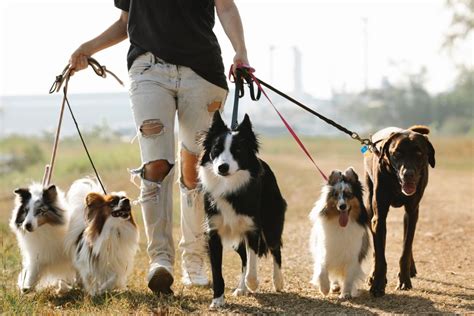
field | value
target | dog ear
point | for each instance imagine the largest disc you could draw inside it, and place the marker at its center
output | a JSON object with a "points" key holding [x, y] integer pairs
{"points": [[245, 129], [351, 175], [420, 129], [217, 125], [245, 124], [23, 193], [335, 177], [385, 146], [94, 201], [50, 194], [431, 153]]}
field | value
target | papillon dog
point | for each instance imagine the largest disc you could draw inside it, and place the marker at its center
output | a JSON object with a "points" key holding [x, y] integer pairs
{"points": [[102, 238], [243, 204], [40, 222], [339, 239]]}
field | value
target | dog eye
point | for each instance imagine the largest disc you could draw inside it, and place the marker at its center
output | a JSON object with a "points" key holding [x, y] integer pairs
{"points": [[114, 201], [348, 195]]}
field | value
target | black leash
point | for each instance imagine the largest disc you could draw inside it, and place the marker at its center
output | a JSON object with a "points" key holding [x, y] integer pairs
{"points": [[61, 79], [240, 78], [366, 142]]}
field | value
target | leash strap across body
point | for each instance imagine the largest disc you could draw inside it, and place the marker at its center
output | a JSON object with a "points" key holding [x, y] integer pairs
{"points": [[63, 79], [246, 72]]}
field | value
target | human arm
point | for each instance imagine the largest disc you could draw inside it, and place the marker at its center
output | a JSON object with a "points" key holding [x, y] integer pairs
{"points": [[232, 24], [116, 33]]}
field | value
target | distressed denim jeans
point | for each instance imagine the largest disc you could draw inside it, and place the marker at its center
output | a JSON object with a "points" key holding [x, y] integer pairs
{"points": [[158, 92]]}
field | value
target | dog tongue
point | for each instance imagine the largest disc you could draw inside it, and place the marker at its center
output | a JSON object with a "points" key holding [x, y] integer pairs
{"points": [[343, 218], [409, 188]]}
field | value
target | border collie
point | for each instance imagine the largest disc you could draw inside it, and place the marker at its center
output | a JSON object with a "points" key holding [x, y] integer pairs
{"points": [[339, 239], [39, 220], [102, 237], [243, 204]]}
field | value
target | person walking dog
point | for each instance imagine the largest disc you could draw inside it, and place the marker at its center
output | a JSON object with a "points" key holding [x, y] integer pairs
{"points": [[175, 68]]}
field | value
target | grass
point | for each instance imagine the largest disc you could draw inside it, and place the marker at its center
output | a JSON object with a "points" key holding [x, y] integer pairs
{"points": [[443, 245]]}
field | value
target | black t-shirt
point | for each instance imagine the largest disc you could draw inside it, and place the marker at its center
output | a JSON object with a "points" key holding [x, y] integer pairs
{"points": [[177, 31]]}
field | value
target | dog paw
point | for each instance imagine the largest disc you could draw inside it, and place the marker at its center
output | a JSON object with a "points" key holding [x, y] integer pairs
{"points": [[377, 287], [239, 292], [217, 303], [345, 296], [278, 282], [62, 287], [324, 289], [251, 283], [404, 285], [335, 288]]}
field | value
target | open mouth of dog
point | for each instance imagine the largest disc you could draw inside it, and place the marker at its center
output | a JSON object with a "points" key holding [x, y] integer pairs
{"points": [[122, 212], [408, 188], [344, 217]]}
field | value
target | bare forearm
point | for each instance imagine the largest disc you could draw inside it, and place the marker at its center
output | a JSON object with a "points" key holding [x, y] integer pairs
{"points": [[230, 19], [116, 33]]}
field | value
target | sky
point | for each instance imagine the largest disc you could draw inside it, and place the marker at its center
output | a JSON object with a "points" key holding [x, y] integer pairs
{"points": [[37, 38]]}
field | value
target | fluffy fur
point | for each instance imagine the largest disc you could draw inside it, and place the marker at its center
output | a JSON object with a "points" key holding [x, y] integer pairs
{"points": [[39, 221], [102, 237], [243, 204], [339, 239]]}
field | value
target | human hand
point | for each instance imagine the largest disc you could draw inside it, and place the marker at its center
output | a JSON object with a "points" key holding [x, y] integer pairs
{"points": [[78, 60], [240, 58]]}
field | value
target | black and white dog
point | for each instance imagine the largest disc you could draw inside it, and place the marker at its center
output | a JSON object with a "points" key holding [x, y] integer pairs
{"points": [[243, 204]]}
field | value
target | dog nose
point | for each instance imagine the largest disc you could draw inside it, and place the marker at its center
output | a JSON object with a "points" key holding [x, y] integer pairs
{"points": [[29, 227], [124, 204], [224, 168], [342, 207]]}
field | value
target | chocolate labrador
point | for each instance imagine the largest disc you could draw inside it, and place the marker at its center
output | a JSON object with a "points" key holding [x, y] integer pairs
{"points": [[396, 176]]}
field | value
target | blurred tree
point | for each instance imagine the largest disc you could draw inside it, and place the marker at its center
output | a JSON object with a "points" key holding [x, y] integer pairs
{"points": [[462, 21]]}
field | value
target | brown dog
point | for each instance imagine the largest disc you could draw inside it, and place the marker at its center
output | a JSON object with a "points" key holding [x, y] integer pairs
{"points": [[396, 177]]}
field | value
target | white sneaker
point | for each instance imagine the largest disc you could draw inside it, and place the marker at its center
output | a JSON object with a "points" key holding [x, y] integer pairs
{"points": [[194, 271]]}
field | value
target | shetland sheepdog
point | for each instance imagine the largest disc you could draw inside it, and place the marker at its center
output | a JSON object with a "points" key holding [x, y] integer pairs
{"points": [[243, 204], [102, 238], [339, 239], [39, 220]]}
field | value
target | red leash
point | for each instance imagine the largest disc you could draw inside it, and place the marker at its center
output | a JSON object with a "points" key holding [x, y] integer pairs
{"points": [[249, 71]]}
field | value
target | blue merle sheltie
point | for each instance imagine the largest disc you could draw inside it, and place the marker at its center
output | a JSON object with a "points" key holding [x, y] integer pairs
{"points": [[243, 204], [40, 222]]}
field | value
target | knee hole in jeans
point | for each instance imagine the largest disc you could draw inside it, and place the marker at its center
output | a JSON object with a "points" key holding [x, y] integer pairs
{"points": [[189, 172], [156, 170], [152, 127], [214, 106]]}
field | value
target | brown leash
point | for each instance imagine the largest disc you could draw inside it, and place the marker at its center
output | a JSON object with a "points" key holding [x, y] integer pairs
{"points": [[63, 79]]}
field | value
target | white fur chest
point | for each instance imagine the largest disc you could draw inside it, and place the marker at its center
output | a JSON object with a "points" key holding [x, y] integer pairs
{"points": [[230, 226]]}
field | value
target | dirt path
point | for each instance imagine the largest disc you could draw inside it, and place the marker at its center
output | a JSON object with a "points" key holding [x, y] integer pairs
{"points": [[443, 251]]}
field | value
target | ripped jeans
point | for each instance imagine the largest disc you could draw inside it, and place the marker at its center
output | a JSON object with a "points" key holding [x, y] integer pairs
{"points": [[159, 91]]}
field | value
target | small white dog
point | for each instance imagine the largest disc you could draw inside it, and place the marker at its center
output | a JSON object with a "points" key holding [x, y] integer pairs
{"points": [[102, 237], [339, 238], [40, 222]]}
